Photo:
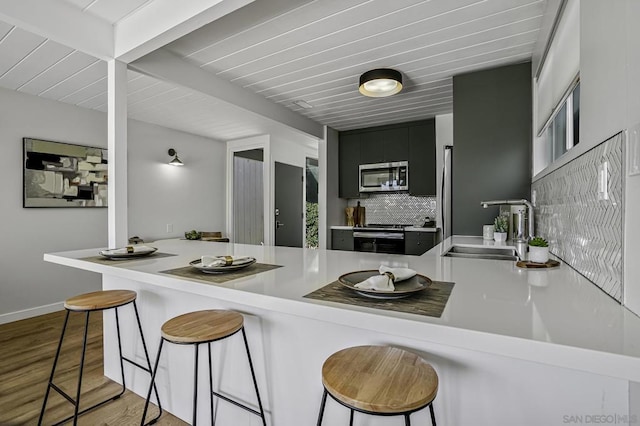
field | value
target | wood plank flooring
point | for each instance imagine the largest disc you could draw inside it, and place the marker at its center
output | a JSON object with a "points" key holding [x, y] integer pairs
{"points": [[27, 349]]}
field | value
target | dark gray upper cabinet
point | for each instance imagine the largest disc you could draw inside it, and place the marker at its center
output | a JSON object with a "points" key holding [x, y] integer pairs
{"points": [[384, 145], [422, 159], [349, 160], [413, 141]]}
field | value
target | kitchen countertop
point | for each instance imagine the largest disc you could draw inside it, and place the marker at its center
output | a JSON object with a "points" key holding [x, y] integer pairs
{"points": [[409, 228], [553, 316]]}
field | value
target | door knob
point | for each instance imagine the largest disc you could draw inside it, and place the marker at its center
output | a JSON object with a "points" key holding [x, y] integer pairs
{"points": [[279, 224]]}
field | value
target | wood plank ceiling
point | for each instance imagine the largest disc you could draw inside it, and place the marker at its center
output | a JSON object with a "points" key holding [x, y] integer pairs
{"points": [[316, 53], [313, 51]]}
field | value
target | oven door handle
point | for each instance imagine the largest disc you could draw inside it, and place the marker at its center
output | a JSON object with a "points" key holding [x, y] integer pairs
{"points": [[379, 235]]}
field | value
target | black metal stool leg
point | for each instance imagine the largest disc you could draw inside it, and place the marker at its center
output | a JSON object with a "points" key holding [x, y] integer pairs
{"points": [[151, 386], [407, 420], [84, 350], [146, 355], [322, 404], [253, 375], [213, 421], [351, 418], [433, 416], [121, 357], [195, 388], [53, 369]]}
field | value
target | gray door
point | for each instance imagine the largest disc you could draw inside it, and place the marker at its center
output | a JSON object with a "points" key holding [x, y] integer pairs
{"points": [[288, 188]]}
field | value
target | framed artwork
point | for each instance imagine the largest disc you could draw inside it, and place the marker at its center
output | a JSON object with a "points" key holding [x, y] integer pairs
{"points": [[57, 174]]}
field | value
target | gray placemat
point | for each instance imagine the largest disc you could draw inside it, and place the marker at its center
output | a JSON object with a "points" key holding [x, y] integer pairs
{"points": [[195, 274], [115, 262], [429, 302]]}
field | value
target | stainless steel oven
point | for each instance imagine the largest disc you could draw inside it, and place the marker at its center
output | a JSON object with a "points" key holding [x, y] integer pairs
{"points": [[379, 240], [384, 177]]}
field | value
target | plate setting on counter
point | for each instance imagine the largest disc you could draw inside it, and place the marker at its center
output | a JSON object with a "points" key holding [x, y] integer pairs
{"points": [[128, 252], [221, 264], [402, 289]]}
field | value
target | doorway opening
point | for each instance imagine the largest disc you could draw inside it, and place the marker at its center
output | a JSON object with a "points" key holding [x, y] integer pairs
{"points": [[248, 196], [311, 202]]}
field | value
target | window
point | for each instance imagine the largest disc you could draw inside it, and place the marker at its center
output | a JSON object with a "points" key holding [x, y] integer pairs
{"points": [[561, 132], [557, 90]]}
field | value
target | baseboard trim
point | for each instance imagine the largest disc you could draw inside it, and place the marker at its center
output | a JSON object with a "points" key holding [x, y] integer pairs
{"points": [[31, 312]]}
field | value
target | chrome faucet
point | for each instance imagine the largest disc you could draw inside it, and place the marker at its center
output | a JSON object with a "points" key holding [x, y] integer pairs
{"points": [[486, 204]]}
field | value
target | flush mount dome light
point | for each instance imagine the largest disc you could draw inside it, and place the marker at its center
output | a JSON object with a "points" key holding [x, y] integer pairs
{"points": [[380, 83]]}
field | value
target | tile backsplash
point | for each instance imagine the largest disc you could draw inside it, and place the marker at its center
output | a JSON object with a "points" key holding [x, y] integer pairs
{"points": [[583, 225], [396, 208]]}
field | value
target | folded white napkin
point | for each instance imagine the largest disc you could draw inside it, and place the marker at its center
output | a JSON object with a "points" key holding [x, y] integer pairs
{"points": [[385, 281], [209, 261], [399, 274], [377, 282], [130, 249]]}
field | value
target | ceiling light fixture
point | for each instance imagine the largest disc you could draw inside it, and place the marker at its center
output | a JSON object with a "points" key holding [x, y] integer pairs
{"points": [[176, 161], [380, 82]]}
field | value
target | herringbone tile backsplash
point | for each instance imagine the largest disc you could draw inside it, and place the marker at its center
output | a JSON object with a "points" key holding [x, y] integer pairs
{"points": [[396, 208], [584, 229]]}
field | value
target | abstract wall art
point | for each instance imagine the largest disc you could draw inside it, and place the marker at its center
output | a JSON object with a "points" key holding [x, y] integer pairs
{"points": [[60, 174]]}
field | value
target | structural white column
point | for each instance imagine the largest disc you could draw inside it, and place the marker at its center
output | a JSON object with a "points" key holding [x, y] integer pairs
{"points": [[117, 145]]}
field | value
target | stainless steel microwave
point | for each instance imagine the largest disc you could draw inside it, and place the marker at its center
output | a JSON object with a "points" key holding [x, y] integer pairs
{"points": [[384, 177]]}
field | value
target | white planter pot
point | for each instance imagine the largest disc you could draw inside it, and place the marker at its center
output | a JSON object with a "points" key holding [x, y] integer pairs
{"points": [[538, 254], [500, 236]]}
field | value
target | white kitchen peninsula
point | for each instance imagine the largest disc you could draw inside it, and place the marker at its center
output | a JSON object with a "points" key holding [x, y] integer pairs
{"points": [[513, 346]]}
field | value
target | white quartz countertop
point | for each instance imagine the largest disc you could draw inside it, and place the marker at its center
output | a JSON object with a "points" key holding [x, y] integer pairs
{"points": [[552, 316]]}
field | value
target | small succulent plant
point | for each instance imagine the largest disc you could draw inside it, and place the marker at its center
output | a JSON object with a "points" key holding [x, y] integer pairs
{"points": [[500, 224], [193, 235], [538, 242]]}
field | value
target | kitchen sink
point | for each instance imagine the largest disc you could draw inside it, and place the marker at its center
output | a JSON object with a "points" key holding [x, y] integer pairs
{"points": [[493, 253]]}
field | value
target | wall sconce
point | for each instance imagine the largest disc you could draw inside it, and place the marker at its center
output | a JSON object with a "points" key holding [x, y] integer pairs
{"points": [[176, 161]]}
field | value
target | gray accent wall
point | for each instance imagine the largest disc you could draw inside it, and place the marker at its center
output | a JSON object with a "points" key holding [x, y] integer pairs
{"points": [[492, 140]]}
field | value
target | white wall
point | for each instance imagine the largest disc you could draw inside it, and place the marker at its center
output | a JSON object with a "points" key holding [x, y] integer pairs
{"points": [[158, 194], [26, 281], [188, 197], [610, 89]]}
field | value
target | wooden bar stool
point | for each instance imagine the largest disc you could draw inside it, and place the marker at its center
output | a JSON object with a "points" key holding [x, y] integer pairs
{"points": [[87, 303], [200, 327], [379, 380]]}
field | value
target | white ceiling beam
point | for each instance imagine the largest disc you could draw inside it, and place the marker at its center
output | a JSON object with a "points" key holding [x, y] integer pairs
{"points": [[162, 21], [61, 22], [164, 65]]}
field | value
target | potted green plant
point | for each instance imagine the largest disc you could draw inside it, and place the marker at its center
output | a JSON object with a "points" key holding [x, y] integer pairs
{"points": [[538, 250], [500, 228]]}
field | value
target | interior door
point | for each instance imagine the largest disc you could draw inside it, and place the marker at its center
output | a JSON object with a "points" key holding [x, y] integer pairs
{"points": [[288, 193]]}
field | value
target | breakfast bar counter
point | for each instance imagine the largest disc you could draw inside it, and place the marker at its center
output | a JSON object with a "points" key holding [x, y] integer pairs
{"points": [[506, 337]]}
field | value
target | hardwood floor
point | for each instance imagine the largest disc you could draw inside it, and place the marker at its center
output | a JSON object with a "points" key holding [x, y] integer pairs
{"points": [[27, 349]]}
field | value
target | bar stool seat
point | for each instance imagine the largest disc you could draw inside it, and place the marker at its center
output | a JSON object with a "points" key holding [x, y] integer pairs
{"points": [[88, 303], [100, 300], [379, 380], [204, 327]]}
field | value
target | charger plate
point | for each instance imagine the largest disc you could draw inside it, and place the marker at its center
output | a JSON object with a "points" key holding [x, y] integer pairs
{"points": [[404, 288], [219, 269]]}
